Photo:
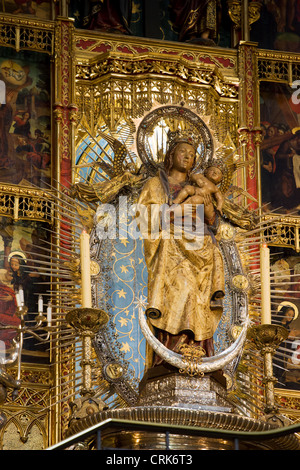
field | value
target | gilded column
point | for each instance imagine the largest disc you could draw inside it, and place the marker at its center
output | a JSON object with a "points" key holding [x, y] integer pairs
{"points": [[64, 118], [249, 130], [64, 107]]}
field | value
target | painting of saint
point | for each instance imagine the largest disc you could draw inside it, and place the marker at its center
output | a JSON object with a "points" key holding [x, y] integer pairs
{"points": [[278, 26], [8, 309], [25, 149], [38, 8], [285, 298], [280, 149], [21, 250]]}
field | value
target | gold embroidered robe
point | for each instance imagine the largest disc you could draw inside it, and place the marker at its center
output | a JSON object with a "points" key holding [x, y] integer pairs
{"points": [[181, 281]]}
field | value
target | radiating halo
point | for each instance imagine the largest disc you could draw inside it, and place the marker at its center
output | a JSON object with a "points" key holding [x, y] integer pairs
{"points": [[289, 304], [152, 132], [17, 253]]}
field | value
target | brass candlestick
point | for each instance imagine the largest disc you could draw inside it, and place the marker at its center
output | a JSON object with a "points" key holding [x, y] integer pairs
{"points": [[267, 339], [87, 322]]}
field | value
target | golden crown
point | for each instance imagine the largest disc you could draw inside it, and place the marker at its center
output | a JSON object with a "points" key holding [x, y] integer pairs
{"points": [[185, 136]]}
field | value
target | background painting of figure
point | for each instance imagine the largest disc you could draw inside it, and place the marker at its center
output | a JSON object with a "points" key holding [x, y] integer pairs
{"points": [[285, 279], [278, 26], [25, 119], [8, 310], [22, 246], [280, 148], [38, 8]]}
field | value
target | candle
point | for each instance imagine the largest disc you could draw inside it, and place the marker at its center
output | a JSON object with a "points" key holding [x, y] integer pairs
{"points": [[21, 296], [265, 284], [40, 304], [49, 313], [86, 292], [18, 300]]}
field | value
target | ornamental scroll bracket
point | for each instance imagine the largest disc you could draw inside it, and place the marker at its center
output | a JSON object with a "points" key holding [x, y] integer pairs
{"points": [[235, 8]]}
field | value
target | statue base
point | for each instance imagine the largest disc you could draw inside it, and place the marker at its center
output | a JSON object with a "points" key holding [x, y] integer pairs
{"points": [[135, 428], [163, 386], [182, 404]]}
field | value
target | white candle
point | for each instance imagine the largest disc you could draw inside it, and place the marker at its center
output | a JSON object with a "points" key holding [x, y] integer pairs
{"points": [[21, 295], [40, 304], [49, 313], [265, 284], [86, 292], [18, 300]]}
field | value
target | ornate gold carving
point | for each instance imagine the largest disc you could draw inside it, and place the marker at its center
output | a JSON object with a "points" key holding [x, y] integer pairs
{"points": [[113, 371], [283, 231], [107, 101], [254, 11], [227, 231], [235, 10], [57, 112], [25, 431], [83, 407], [205, 74], [278, 66], [240, 282], [25, 203], [90, 46], [267, 339], [290, 401], [87, 320], [26, 415], [29, 34], [193, 355]]}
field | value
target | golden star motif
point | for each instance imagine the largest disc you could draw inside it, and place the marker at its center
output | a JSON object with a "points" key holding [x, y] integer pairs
{"points": [[122, 293], [123, 321]]}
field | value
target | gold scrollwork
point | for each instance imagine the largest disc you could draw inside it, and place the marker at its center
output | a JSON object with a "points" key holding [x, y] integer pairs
{"points": [[235, 9], [27, 34], [193, 355], [25, 203]]}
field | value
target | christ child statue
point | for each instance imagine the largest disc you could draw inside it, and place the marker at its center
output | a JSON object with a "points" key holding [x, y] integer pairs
{"points": [[203, 190]]}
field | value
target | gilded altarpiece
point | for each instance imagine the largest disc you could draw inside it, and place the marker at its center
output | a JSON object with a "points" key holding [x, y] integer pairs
{"points": [[100, 81], [117, 81]]}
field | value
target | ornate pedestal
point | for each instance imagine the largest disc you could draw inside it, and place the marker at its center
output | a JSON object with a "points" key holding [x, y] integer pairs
{"points": [[184, 405], [175, 389]]}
